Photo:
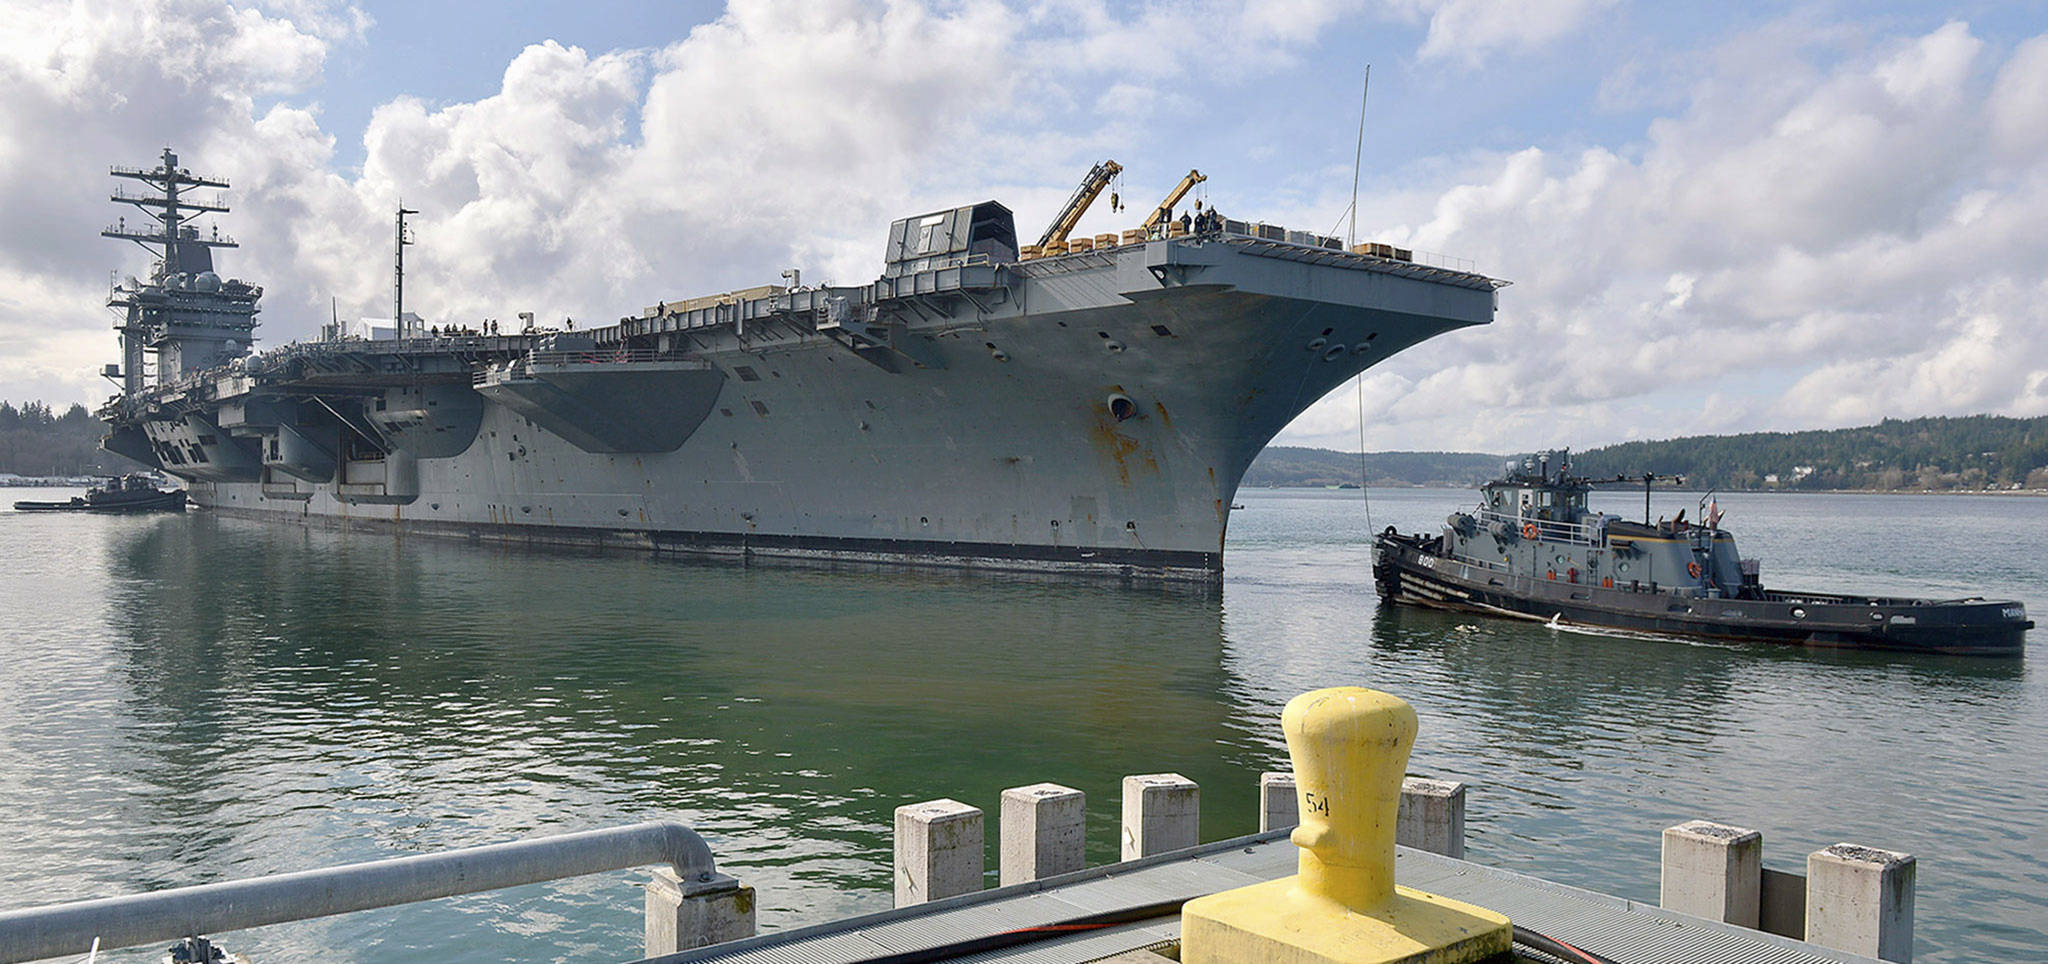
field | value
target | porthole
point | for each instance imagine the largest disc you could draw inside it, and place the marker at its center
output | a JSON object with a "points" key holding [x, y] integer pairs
{"points": [[1798, 613], [1336, 351]]}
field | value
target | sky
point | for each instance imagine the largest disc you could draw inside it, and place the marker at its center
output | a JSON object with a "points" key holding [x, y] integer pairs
{"points": [[1716, 217]]}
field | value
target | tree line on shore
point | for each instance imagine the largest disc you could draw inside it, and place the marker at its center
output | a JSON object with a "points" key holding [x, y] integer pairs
{"points": [[1940, 454], [36, 440], [1968, 453]]}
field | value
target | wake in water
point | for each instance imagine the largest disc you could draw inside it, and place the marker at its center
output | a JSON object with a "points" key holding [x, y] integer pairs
{"points": [[1558, 623]]}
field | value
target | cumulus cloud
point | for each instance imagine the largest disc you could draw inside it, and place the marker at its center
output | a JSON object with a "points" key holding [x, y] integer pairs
{"points": [[1847, 234], [86, 83], [1471, 30], [1868, 238]]}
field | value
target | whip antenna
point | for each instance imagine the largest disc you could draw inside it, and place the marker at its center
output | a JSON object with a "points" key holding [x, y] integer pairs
{"points": [[1358, 160]]}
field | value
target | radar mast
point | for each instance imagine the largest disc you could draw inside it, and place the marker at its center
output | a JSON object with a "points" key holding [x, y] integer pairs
{"points": [[184, 312]]}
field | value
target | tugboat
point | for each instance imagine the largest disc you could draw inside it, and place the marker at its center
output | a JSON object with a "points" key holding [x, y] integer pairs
{"points": [[1533, 550], [129, 493]]}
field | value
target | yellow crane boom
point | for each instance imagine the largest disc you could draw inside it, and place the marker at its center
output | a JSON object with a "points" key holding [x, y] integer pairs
{"points": [[1091, 186], [1165, 208]]}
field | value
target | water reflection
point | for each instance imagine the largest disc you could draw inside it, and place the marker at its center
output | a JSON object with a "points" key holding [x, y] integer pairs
{"points": [[299, 698], [208, 698]]}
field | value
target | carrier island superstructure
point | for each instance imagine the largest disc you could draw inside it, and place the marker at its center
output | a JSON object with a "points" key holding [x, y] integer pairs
{"points": [[1080, 404]]}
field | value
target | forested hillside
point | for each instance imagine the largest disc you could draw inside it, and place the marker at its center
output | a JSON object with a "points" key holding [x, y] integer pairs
{"points": [[1289, 465], [36, 441], [1968, 453]]}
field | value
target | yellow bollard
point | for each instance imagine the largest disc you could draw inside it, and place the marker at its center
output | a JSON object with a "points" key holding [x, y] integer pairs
{"points": [[1350, 750]]}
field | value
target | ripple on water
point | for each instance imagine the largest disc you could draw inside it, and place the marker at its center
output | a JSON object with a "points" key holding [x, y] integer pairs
{"points": [[201, 699]]}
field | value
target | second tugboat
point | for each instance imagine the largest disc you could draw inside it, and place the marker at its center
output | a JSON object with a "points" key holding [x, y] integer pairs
{"points": [[129, 493], [1533, 550]]}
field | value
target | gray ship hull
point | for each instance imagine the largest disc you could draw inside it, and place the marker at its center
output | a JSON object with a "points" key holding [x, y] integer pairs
{"points": [[1089, 413]]}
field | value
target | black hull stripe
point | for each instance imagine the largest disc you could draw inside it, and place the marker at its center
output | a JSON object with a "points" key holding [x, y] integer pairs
{"points": [[1175, 565]]}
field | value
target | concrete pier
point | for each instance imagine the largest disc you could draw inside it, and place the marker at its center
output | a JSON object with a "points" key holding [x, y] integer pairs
{"points": [[1279, 801], [1161, 812], [1860, 899], [1432, 816], [680, 918], [1712, 870], [1043, 832], [938, 851]]}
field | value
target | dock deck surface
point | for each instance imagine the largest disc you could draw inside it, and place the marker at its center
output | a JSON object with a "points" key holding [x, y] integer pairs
{"points": [[1623, 930]]}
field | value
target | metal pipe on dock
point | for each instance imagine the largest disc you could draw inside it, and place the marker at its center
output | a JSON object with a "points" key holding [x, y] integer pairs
{"points": [[60, 930]]}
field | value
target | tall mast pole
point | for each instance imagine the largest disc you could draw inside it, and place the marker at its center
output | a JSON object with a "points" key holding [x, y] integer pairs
{"points": [[1358, 160], [398, 275]]}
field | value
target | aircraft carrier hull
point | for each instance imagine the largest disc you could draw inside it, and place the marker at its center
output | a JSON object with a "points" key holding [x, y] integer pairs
{"points": [[1087, 413]]}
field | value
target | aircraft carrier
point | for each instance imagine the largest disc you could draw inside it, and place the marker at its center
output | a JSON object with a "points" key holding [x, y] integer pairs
{"points": [[1083, 404]]}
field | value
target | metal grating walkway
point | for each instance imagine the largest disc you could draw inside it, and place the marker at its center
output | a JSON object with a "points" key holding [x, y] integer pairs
{"points": [[1622, 930]]}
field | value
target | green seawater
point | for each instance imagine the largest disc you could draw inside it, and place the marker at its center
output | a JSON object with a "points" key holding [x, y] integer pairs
{"points": [[186, 699]]}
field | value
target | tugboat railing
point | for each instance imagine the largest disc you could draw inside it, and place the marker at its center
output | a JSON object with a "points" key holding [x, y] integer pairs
{"points": [[1567, 532]]}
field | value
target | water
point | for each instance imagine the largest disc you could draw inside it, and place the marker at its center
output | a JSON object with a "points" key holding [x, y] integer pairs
{"points": [[192, 699]]}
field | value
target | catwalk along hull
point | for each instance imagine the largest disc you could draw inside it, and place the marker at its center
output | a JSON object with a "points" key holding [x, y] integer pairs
{"points": [[1090, 412]]}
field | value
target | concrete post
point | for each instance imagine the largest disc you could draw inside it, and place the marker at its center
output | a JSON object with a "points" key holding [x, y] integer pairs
{"points": [[1279, 801], [1432, 816], [1860, 899], [1044, 832], [680, 918], [938, 851], [1162, 812], [1713, 871]]}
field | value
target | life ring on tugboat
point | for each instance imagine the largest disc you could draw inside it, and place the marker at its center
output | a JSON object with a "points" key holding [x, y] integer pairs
{"points": [[1530, 531], [1692, 569]]}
